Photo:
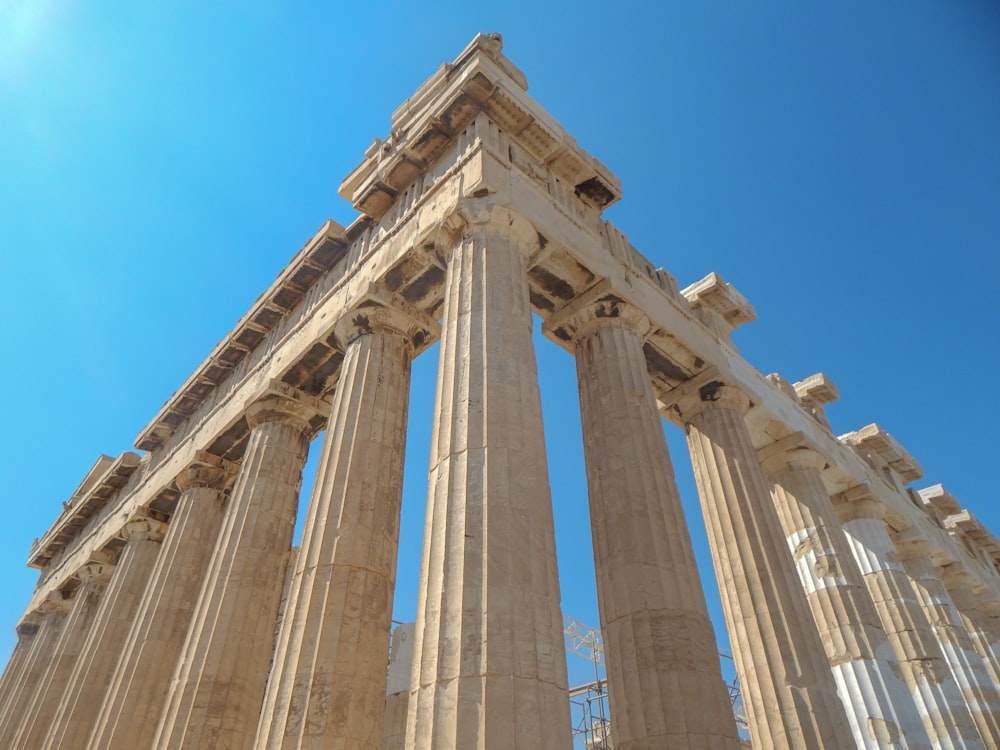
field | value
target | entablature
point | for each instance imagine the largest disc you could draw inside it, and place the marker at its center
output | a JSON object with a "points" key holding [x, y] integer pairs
{"points": [[320, 254], [78, 511]]}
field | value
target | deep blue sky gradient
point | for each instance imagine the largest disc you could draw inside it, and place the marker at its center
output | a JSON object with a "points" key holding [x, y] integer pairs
{"points": [[838, 163]]}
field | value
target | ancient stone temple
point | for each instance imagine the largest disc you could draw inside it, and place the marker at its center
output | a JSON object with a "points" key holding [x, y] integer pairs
{"points": [[172, 611]]}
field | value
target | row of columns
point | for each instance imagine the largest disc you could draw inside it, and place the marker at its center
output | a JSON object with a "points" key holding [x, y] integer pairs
{"points": [[175, 646]]}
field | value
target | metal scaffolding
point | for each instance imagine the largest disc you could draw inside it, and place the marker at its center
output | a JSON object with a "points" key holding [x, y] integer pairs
{"points": [[589, 709]]}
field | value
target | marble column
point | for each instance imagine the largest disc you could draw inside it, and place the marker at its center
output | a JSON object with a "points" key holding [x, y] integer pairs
{"points": [[218, 685], [665, 684], [489, 661], [37, 636], [788, 690], [88, 683], [138, 687], [967, 667], [880, 709], [977, 624], [939, 701], [327, 687], [39, 711], [14, 671]]}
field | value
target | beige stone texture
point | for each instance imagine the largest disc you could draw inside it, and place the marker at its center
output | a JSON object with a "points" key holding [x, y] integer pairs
{"points": [[218, 685], [138, 688], [489, 662], [327, 686], [945, 715], [880, 709], [88, 683], [979, 692], [394, 720], [13, 673], [788, 689], [664, 680], [977, 624], [40, 709], [39, 634]]}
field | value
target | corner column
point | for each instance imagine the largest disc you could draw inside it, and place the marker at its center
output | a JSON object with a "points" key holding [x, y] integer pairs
{"points": [[788, 690], [327, 687], [217, 688], [489, 662], [36, 633], [13, 673], [664, 680], [967, 667], [85, 691], [880, 709], [939, 701], [44, 702]]}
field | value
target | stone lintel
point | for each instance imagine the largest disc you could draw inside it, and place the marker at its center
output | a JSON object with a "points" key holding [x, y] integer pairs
{"points": [[81, 509], [817, 388], [941, 502], [480, 79], [93, 475], [873, 438], [719, 305], [964, 523], [814, 392], [320, 254]]}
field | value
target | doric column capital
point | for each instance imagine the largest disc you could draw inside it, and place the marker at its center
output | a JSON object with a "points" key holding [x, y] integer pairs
{"points": [[791, 452], [96, 572], [56, 602], [707, 390], [29, 624], [283, 403], [599, 307], [217, 474], [858, 502], [484, 216], [378, 312], [143, 529]]}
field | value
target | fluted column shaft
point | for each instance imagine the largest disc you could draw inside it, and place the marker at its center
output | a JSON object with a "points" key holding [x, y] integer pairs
{"points": [[13, 673], [880, 709], [327, 687], [664, 680], [99, 656], [37, 637], [787, 686], [37, 718], [984, 639], [980, 694], [489, 661], [941, 707], [218, 685], [138, 687]]}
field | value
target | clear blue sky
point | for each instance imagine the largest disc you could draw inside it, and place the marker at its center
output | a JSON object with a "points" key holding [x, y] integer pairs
{"points": [[838, 163]]}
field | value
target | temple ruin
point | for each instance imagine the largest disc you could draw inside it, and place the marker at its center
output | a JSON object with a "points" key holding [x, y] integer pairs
{"points": [[172, 612]]}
